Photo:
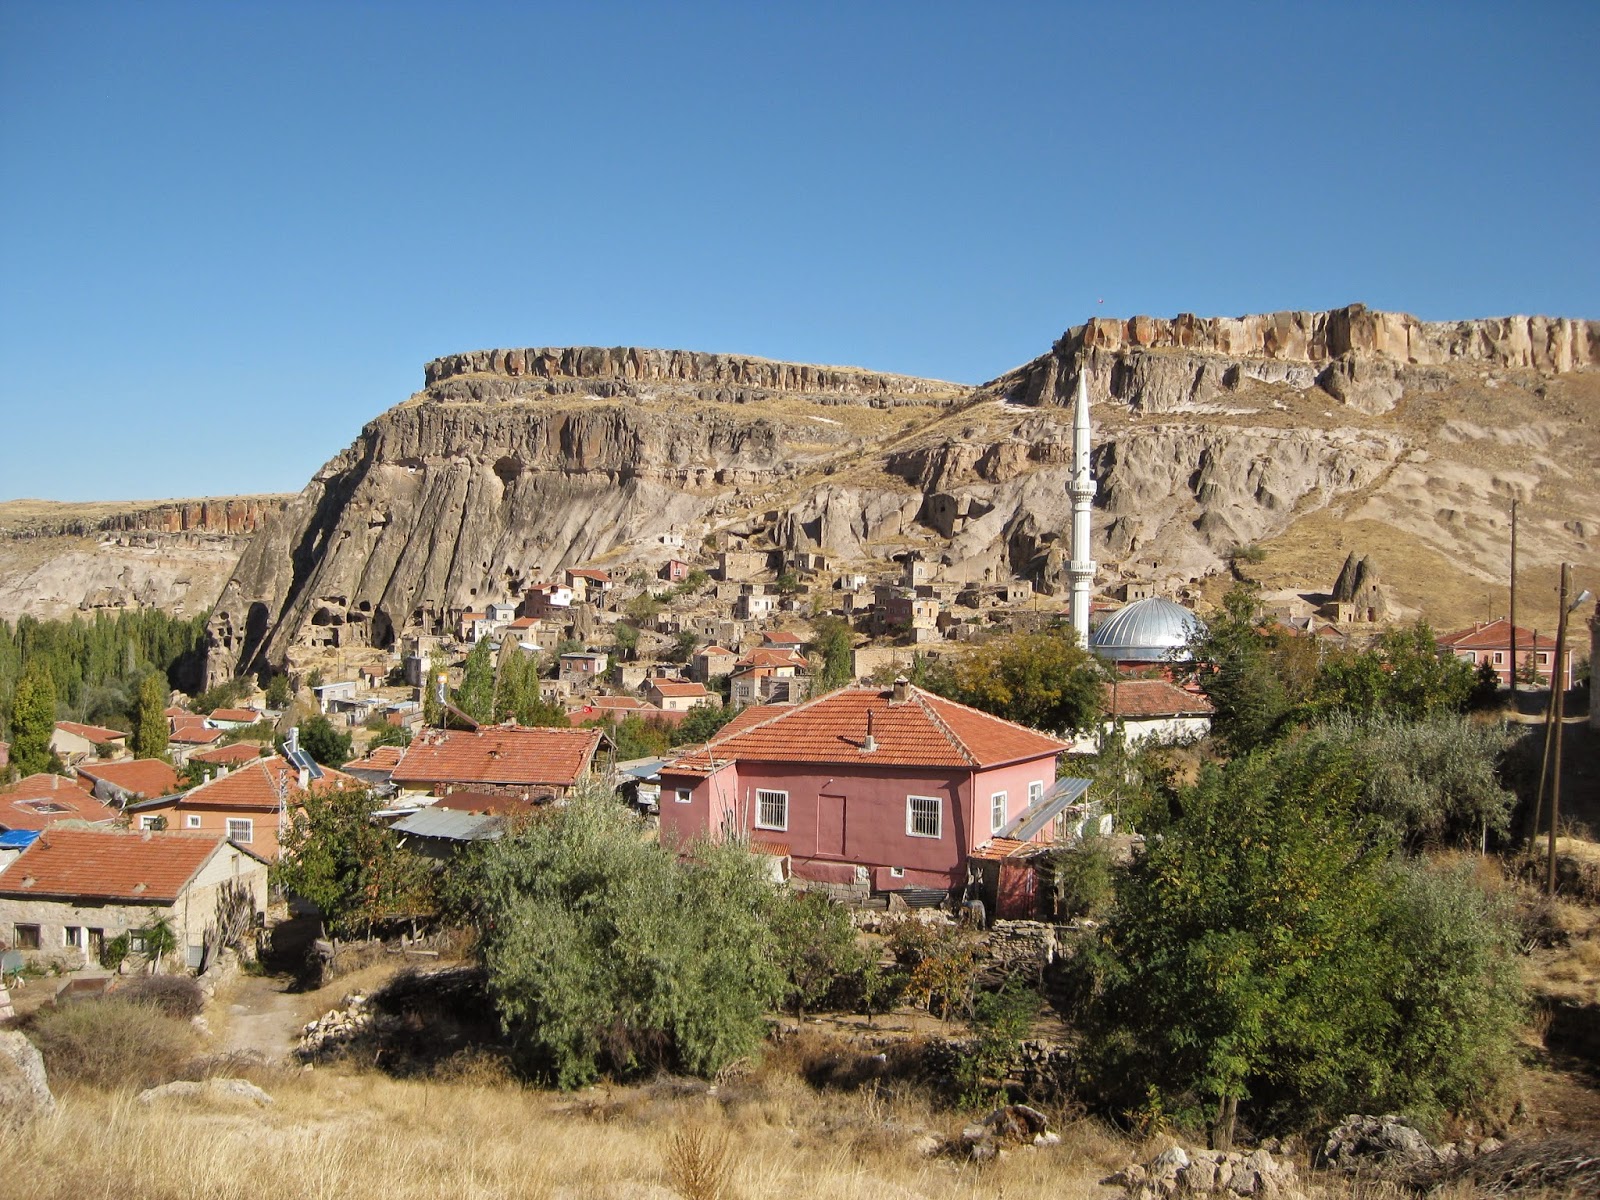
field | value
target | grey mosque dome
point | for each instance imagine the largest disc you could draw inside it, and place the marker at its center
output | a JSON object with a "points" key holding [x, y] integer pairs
{"points": [[1149, 630]]}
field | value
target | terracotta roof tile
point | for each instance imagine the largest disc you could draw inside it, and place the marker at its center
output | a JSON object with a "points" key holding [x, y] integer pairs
{"points": [[196, 735], [489, 802], [236, 755], [248, 716], [923, 730], [675, 687], [1494, 635], [93, 733], [143, 868], [771, 656], [41, 800], [259, 785], [500, 754], [379, 758], [149, 777], [1138, 698]]}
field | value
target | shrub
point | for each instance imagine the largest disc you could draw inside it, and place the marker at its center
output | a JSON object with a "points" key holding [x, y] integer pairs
{"points": [[815, 943], [175, 995], [112, 1043], [1081, 878]]}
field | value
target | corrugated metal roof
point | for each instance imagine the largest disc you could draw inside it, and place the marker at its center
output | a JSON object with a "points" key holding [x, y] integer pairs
{"points": [[1027, 824], [450, 824], [1150, 630]]}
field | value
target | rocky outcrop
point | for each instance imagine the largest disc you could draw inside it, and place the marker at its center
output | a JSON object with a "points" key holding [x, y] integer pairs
{"points": [[24, 1090], [1211, 435], [1179, 1172]]}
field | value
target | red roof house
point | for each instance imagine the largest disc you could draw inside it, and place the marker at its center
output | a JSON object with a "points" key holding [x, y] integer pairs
{"points": [[119, 880], [1148, 710], [130, 779], [40, 801], [507, 758], [875, 789], [239, 754], [73, 741], [247, 805], [1490, 642]]}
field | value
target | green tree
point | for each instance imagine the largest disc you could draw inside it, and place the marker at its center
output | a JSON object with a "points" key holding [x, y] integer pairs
{"points": [[1262, 953], [157, 939], [605, 952], [1043, 680], [634, 737], [278, 691], [390, 735], [1254, 678], [835, 647], [475, 696], [150, 719], [33, 720], [701, 723], [642, 610], [324, 742], [432, 709], [1404, 675], [683, 646], [625, 638], [815, 944], [518, 697], [352, 869]]}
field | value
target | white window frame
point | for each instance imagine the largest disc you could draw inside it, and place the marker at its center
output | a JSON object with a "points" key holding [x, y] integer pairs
{"points": [[1035, 792], [191, 820], [912, 815], [73, 937], [1544, 658], [249, 830], [1499, 658], [150, 821], [997, 812], [766, 796], [897, 872], [683, 795]]}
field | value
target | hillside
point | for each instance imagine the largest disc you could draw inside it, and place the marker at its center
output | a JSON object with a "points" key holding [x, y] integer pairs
{"points": [[57, 558], [1306, 434]]}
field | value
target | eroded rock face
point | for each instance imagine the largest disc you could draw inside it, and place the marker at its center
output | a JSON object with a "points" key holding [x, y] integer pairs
{"points": [[24, 1090], [1211, 434]]}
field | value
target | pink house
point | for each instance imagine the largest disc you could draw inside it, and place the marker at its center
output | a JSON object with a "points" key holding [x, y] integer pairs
{"points": [[877, 789]]}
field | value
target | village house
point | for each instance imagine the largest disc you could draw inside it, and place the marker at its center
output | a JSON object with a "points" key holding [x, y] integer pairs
{"points": [[508, 760], [376, 766], [674, 570], [589, 586], [710, 662], [754, 605], [675, 695], [337, 697], [73, 889], [233, 718], [121, 782], [583, 667], [542, 600], [901, 611], [766, 676], [188, 736], [1490, 642], [39, 801], [735, 565], [1149, 710], [865, 788], [784, 639], [250, 806], [236, 755], [73, 741]]}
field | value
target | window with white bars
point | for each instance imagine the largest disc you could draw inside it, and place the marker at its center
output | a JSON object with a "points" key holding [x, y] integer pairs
{"points": [[191, 821], [241, 829], [923, 816], [997, 812], [772, 809], [1035, 792]]}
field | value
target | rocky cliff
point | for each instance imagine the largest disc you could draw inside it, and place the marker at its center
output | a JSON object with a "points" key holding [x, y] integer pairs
{"points": [[57, 559], [1310, 435]]}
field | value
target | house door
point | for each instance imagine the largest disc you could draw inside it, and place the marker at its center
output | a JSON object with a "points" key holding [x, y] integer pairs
{"points": [[97, 946], [830, 826]]}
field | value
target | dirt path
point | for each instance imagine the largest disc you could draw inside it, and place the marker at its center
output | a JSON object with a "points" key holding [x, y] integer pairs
{"points": [[262, 1017]]}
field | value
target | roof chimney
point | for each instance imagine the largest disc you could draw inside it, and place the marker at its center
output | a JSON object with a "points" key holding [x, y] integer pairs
{"points": [[869, 743], [902, 689]]}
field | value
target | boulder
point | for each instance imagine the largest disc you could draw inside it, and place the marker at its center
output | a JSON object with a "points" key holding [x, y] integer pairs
{"points": [[1362, 1142], [24, 1090], [215, 1091]]}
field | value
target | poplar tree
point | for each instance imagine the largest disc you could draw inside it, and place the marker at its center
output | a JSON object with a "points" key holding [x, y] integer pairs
{"points": [[476, 694], [150, 719], [33, 719]]}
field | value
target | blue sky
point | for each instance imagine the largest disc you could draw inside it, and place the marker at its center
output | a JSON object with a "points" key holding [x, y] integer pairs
{"points": [[230, 234]]}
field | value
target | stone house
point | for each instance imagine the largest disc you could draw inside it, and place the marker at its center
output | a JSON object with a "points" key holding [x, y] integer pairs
{"points": [[769, 676], [74, 741], [674, 570], [73, 889], [675, 695], [740, 564], [710, 662], [584, 667]]}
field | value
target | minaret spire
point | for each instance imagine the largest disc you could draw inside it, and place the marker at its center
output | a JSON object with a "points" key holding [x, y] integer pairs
{"points": [[1081, 489]]}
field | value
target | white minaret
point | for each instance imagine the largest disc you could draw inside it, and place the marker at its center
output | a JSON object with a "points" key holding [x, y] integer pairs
{"points": [[1081, 570]]}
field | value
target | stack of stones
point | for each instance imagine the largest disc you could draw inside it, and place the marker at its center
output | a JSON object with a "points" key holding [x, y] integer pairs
{"points": [[1209, 1172], [333, 1031]]}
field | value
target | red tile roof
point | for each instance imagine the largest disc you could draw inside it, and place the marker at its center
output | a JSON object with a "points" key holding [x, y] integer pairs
{"points": [[105, 864], [92, 733], [714, 651], [589, 573], [500, 754], [923, 730], [195, 735], [41, 800], [247, 716], [379, 758], [1138, 698], [782, 637], [236, 755], [488, 802], [770, 656], [1494, 635], [148, 777], [260, 785], [675, 687]]}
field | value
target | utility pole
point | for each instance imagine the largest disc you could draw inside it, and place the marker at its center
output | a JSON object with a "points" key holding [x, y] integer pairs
{"points": [[1513, 617], [1558, 706]]}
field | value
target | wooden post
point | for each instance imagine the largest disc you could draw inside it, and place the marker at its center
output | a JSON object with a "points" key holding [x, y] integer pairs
{"points": [[1512, 620], [1558, 708]]}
